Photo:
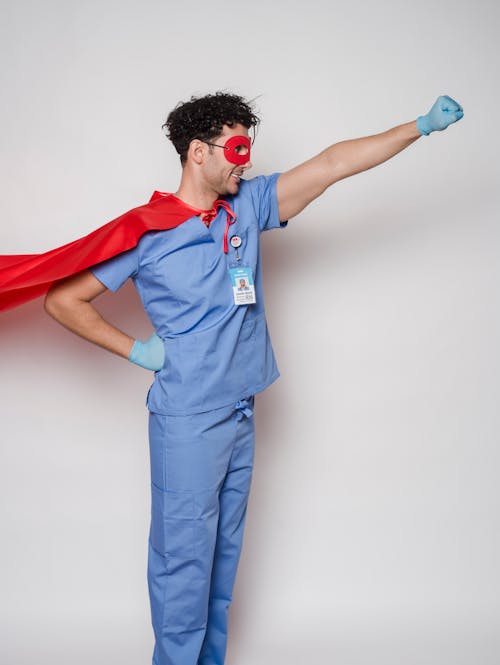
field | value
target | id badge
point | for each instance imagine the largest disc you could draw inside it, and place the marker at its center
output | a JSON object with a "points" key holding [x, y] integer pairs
{"points": [[243, 286]]}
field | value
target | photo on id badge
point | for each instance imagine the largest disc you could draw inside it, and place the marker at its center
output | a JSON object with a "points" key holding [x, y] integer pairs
{"points": [[243, 286]]}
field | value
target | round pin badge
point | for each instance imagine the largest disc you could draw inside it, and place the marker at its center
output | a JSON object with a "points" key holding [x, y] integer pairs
{"points": [[235, 241]]}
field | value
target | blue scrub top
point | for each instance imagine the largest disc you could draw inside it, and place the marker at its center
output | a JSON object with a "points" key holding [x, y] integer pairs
{"points": [[216, 352]]}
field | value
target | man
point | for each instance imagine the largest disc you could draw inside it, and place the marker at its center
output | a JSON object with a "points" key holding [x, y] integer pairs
{"points": [[211, 351]]}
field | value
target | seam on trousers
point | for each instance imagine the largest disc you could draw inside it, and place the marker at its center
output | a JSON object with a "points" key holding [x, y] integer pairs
{"points": [[166, 555], [233, 442], [164, 604], [182, 632], [163, 453]]}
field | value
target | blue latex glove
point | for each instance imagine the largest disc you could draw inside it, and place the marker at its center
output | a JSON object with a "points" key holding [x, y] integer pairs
{"points": [[445, 111], [149, 354]]}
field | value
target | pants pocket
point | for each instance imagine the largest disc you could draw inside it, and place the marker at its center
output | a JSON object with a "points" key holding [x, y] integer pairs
{"points": [[172, 523]]}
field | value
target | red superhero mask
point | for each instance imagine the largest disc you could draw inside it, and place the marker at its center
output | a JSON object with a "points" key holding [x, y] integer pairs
{"points": [[236, 149]]}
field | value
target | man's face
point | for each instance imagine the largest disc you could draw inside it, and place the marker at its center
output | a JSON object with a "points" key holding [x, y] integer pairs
{"points": [[221, 174]]}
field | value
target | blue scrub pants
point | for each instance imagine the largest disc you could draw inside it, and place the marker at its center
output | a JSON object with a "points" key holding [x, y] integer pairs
{"points": [[201, 470]]}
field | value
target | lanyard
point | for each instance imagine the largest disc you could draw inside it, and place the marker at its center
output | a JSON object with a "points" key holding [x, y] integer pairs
{"points": [[207, 217]]}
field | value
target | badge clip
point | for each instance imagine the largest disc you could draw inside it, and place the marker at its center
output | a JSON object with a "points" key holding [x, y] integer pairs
{"points": [[235, 242]]}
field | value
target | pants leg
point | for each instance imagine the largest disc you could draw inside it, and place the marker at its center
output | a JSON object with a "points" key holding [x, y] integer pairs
{"points": [[200, 479], [233, 500]]}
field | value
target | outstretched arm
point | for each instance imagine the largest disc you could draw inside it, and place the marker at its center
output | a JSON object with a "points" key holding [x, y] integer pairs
{"points": [[304, 183]]}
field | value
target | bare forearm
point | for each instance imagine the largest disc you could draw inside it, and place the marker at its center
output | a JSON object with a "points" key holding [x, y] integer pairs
{"points": [[347, 158], [82, 318]]}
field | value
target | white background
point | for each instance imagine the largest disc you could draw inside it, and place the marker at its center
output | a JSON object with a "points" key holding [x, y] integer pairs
{"points": [[372, 529]]}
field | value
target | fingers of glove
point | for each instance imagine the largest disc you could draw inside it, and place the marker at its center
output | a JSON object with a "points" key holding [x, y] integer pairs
{"points": [[451, 111], [155, 352], [449, 104]]}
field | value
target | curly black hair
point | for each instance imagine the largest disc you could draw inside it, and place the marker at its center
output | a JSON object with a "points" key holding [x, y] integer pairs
{"points": [[203, 118]]}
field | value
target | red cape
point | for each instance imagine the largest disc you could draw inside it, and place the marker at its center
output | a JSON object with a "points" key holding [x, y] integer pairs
{"points": [[27, 276]]}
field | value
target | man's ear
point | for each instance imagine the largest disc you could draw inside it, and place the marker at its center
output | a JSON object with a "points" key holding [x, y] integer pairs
{"points": [[197, 151]]}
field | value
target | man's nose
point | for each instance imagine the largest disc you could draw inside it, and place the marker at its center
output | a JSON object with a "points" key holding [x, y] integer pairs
{"points": [[247, 165]]}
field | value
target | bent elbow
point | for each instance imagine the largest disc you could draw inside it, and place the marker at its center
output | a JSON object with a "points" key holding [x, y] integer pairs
{"points": [[53, 302], [49, 304]]}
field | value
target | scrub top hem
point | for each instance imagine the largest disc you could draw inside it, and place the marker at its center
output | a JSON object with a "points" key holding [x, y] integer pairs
{"points": [[244, 394]]}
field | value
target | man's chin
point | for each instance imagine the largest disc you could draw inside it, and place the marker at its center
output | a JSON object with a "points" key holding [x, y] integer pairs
{"points": [[229, 190]]}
